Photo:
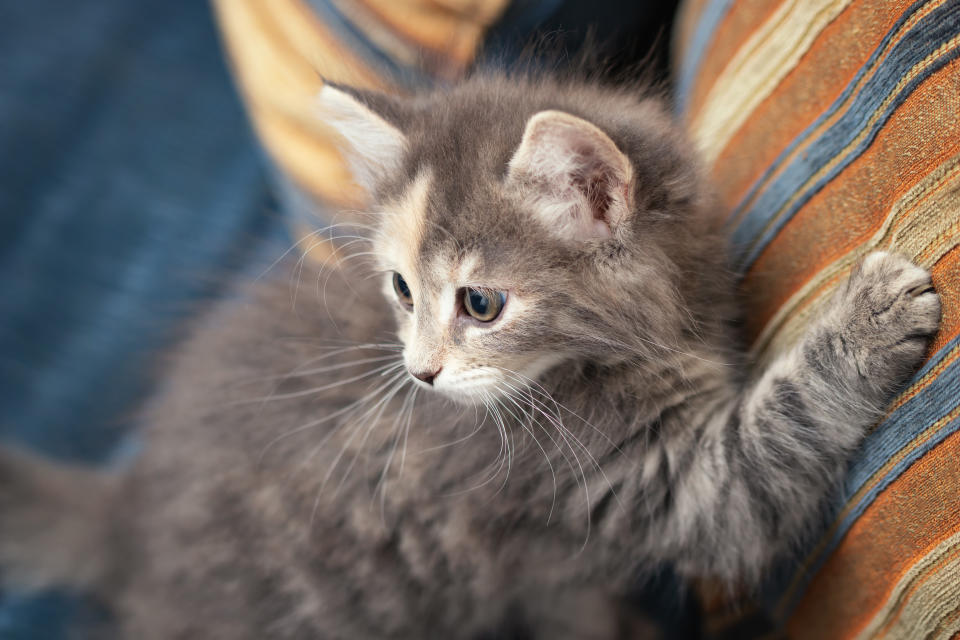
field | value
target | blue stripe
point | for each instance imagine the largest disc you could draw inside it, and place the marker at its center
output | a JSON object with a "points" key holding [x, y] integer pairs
{"points": [[892, 436], [710, 17], [357, 41], [920, 42], [848, 90]]}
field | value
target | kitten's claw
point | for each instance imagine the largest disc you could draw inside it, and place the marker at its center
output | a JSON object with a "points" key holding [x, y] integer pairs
{"points": [[922, 289]]}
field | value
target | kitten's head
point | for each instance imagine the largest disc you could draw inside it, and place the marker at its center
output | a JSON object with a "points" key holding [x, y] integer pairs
{"points": [[523, 226]]}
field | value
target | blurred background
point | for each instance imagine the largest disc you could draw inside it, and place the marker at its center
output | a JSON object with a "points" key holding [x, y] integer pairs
{"points": [[133, 186], [153, 151]]}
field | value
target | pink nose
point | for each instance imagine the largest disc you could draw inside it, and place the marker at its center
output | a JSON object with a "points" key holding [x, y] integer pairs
{"points": [[425, 376]]}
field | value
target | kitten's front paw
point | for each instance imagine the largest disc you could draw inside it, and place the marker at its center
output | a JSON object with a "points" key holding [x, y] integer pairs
{"points": [[889, 311]]}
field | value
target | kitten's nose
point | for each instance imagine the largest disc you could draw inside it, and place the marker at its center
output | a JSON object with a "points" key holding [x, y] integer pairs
{"points": [[425, 376]]}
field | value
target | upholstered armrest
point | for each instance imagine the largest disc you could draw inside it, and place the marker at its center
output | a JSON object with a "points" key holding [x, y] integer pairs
{"points": [[832, 128]]}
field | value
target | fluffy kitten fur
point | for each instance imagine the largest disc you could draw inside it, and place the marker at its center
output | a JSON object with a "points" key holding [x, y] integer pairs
{"points": [[292, 488]]}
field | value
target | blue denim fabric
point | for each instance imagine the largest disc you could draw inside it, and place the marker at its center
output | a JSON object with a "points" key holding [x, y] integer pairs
{"points": [[130, 184]]}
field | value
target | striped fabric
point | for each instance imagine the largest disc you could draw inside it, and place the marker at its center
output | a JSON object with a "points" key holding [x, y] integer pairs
{"points": [[832, 128], [280, 48]]}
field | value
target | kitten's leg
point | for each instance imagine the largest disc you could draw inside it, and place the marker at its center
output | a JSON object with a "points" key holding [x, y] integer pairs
{"points": [[767, 462], [54, 523]]}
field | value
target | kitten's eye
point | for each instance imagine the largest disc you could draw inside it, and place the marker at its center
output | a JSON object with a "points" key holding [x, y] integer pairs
{"points": [[484, 305], [402, 289]]}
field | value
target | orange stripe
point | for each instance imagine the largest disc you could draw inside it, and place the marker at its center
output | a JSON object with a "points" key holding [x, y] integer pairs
{"points": [[930, 62], [838, 114], [906, 521], [825, 70], [290, 41], [920, 136], [449, 33], [727, 38], [268, 28], [331, 57], [312, 161], [278, 53]]}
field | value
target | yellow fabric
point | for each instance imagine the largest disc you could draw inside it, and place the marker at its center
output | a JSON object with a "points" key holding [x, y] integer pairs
{"points": [[281, 50]]}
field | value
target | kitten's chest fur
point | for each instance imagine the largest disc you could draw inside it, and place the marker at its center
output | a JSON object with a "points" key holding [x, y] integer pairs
{"points": [[243, 475]]}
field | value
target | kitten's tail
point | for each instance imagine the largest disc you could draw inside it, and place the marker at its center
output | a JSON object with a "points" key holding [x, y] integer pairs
{"points": [[55, 523]]}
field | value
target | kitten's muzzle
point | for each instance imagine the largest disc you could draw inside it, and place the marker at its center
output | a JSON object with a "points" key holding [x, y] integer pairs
{"points": [[425, 376]]}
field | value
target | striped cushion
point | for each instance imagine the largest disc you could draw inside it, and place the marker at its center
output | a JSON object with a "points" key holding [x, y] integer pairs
{"points": [[832, 128]]}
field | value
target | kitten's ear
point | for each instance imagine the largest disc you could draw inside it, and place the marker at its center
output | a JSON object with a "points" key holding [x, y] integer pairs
{"points": [[572, 175], [373, 145]]}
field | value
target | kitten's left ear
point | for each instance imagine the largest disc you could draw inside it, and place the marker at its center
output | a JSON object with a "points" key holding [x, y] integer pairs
{"points": [[572, 175], [373, 146]]}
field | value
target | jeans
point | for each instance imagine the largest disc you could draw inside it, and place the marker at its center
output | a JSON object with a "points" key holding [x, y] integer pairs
{"points": [[130, 184]]}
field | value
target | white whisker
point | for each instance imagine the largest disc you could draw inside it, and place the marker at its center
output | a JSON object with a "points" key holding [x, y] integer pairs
{"points": [[529, 430], [385, 369], [394, 385], [371, 426], [404, 418], [315, 423], [500, 458]]}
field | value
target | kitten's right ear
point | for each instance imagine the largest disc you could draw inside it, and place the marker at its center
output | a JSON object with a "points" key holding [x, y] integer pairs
{"points": [[373, 147], [575, 179]]}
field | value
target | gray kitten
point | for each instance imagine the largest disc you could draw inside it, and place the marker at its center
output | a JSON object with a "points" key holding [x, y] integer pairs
{"points": [[567, 403]]}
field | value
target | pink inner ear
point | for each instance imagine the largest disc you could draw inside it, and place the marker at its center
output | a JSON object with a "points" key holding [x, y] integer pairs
{"points": [[596, 184], [574, 174]]}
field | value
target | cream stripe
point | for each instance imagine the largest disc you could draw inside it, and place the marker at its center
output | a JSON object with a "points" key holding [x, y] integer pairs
{"points": [[951, 628], [918, 226], [758, 67], [277, 55], [451, 28], [922, 602], [278, 51]]}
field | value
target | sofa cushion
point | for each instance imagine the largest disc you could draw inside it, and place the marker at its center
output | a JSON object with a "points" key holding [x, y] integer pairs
{"points": [[832, 128]]}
